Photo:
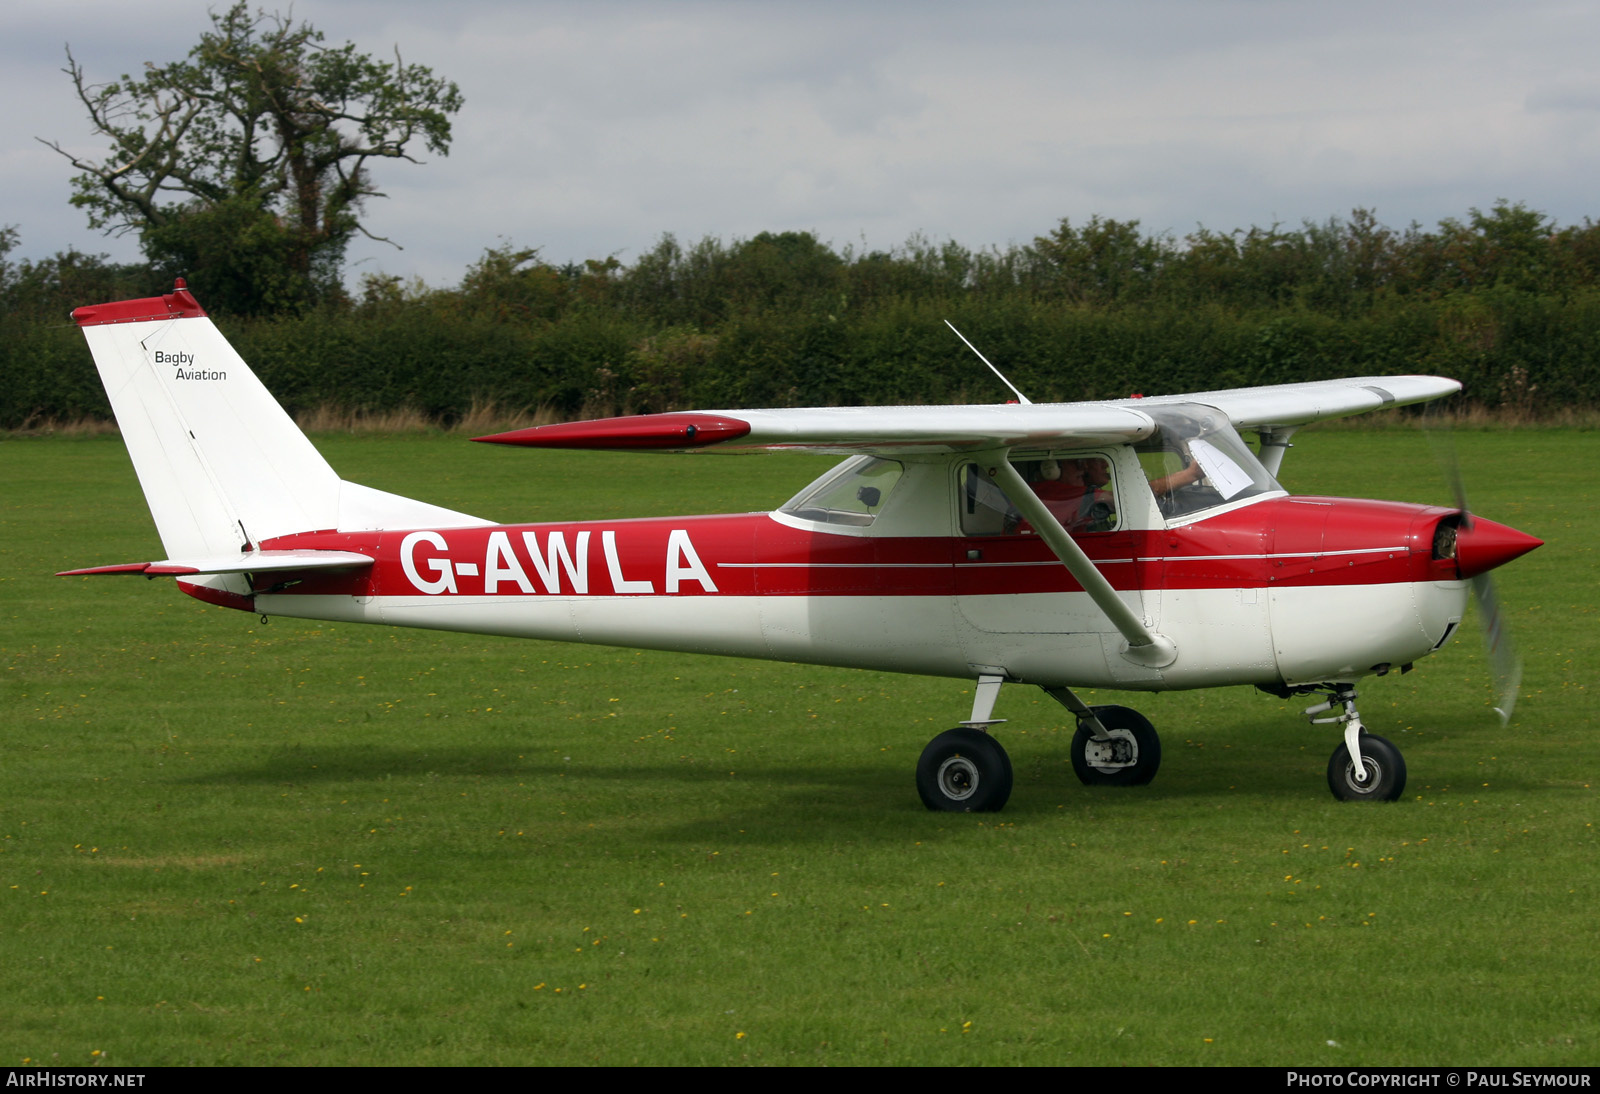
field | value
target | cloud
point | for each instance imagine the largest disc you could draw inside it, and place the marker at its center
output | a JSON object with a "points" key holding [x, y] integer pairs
{"points": [[592, 128]]}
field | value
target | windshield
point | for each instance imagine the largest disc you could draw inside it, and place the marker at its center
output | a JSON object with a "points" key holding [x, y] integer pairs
{"points": [[1196, 462]]}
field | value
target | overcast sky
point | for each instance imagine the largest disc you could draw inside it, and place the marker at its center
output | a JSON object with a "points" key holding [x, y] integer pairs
{"points": [[591, 128]]}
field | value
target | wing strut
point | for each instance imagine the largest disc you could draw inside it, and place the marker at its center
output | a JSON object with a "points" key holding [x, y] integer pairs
{"points": [[1145, 647], [1274, 443]]}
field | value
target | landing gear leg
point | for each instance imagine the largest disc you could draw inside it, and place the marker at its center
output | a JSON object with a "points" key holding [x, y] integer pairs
{"points": [[1365, 767], [964, 770]]}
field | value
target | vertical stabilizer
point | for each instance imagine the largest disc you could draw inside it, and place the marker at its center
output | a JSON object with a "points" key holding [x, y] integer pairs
{"points": [[223, 466], [221, 463]]}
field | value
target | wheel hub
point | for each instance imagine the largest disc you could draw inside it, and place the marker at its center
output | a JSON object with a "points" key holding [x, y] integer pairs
{"points": [[1373, 772], [958, 778], [1119, 751]]}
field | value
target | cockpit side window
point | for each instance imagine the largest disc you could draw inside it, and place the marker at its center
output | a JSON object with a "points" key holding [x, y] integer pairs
{"points": [[1078, 491], [851, 494]]}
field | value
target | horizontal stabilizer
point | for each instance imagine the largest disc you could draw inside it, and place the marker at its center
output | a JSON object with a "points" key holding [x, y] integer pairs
{"points": [[250, 562]]}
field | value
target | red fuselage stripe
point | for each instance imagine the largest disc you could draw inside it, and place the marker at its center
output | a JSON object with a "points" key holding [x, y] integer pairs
{"points": [[1276, 543]]}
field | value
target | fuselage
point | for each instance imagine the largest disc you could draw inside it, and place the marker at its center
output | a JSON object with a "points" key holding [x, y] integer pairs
{"points": [[1277, 590]]}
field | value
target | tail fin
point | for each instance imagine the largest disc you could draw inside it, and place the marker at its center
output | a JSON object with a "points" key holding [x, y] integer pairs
{"points": [[223, 467]]}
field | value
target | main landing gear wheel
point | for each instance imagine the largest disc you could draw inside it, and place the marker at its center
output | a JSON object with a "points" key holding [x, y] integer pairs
{"points": [[1385, 769], [1130, 758], [964, 771]]}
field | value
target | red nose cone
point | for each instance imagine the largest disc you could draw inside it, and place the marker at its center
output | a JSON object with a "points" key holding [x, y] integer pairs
{"points": [[1487, 545]]}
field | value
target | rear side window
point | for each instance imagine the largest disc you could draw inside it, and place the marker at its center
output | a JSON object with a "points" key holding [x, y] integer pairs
{"points": [[851, 494]]}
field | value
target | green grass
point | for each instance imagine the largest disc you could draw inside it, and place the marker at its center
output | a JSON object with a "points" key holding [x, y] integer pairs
{"points": [[229, 842]]}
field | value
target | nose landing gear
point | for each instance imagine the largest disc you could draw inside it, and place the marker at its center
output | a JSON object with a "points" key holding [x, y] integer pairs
{"points": [[1365, 767]]}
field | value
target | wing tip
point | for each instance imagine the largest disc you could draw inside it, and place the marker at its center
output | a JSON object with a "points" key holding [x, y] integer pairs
{"points": [[642, 432]]}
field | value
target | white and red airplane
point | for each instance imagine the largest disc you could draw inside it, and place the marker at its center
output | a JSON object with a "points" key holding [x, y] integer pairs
{"points": [[1136, 544]]}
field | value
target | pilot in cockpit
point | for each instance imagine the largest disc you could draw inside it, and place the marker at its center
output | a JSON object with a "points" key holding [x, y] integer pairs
{"points": [[1077, 493], [1191, 472]]}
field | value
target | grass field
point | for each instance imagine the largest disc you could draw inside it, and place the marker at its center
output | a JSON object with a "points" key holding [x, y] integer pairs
{"points": [[229, 842]]}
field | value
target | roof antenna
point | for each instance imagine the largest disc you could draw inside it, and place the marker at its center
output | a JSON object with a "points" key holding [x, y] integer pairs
{"points": [[1021, 398]]}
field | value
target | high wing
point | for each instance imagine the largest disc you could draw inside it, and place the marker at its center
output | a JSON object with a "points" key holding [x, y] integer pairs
{"points": [[1277, 409], [849, 429]]}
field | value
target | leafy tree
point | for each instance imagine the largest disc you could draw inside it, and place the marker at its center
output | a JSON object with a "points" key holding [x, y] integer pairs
{"points": [[786, 271], [1103, 262], [1509, 246], [670, 284], [47, 289], [246, 165], [513, 285], [8, 243], [1578, 255]]}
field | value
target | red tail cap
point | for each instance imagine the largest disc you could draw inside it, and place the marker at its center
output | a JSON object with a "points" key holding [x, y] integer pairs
{"points": [[177, 304]]}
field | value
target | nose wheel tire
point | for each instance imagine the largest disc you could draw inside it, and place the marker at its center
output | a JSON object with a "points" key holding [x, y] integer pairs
{"points": [[1385, 770], [1131, 757], [964, 771]]}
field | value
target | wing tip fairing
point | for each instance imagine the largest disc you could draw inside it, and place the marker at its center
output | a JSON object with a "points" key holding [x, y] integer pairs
{"points": [[645, 432]]}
